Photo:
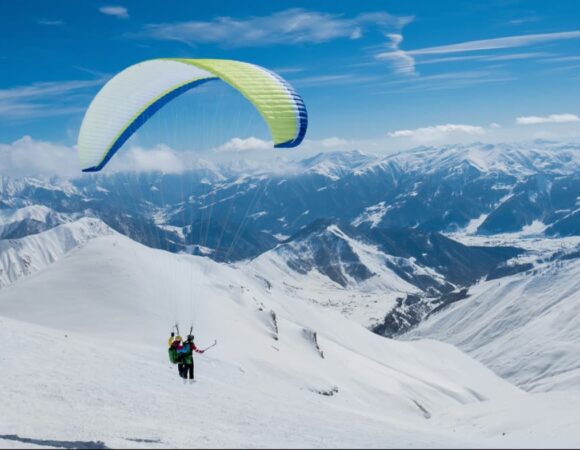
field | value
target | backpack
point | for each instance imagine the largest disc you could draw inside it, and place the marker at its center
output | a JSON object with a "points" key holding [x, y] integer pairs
{"points": [[174, 356]]}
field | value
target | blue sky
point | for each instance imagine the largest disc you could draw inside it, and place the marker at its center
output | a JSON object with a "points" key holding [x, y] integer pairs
{"points": [[402, 72]]}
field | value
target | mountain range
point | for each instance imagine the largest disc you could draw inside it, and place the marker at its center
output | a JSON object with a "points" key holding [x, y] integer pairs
{"points": [[238, 210], [351, 217]]}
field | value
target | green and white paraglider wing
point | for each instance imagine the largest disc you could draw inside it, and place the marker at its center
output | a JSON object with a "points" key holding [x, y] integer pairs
{"points": [[134, 95]]}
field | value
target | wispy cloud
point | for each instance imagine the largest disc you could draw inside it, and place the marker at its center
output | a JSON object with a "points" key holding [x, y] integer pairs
{"points": [[405, 61], [497, 43], [447, 81], [44, 89], [117, 11], [437, 132], [49, 22], [571, 58], [486, 58], [44, 99], [568, 70], [322, 79], [25, 111], [402, 62], [288, 70], [292, 26], [525, 19], [333, 80], [552, 118]]}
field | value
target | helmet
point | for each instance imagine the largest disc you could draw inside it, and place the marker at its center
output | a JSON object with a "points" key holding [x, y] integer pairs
{"points": [[190, 337], [177, 338]]}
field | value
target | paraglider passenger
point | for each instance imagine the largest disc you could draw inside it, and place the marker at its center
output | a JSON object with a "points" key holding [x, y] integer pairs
{"points": [[176, 354]]}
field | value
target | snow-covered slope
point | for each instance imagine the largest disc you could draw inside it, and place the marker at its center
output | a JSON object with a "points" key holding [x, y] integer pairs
{"points": [[326, 266], [20, 222], [130, 291], [22, 257], [283, 373], [387, 280], [365, 306], [526, 327], [348, 262]]}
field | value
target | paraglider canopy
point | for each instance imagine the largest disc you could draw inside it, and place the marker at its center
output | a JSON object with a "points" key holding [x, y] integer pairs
{"points": [[134, 95]]}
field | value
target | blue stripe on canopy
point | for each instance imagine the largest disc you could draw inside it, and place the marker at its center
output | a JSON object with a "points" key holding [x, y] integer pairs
{"points": [[144, 117]]}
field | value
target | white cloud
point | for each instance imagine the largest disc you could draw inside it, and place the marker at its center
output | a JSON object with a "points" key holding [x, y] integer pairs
{"points": [[437, 132], [27, 111], [525, 20], [292, 26], [237, 144], [332, 80], [357, 33], [117, 11], [573, 58], [161, 158], [552, 118], [404, 62], [497, 43], [446, 81], [46, 89], [401, 61], [44, 99], [333, 142], [484, 58], [29, 157], [323, 79], [288, 70]]}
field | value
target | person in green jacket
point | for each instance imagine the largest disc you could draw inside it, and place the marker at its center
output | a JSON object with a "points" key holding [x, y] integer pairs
{"points": [[187, 351], [176, 354]]}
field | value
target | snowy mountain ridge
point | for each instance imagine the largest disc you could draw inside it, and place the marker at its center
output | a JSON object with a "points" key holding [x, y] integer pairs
{"points": [[524, 326], [522, 159], [21, 222], [20, 258]]}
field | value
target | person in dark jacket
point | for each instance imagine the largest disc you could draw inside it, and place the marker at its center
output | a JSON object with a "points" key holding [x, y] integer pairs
{"points": [[188, 349]]}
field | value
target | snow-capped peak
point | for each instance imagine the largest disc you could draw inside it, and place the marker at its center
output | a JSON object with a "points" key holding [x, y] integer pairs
{"points": [[22, 257]]}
